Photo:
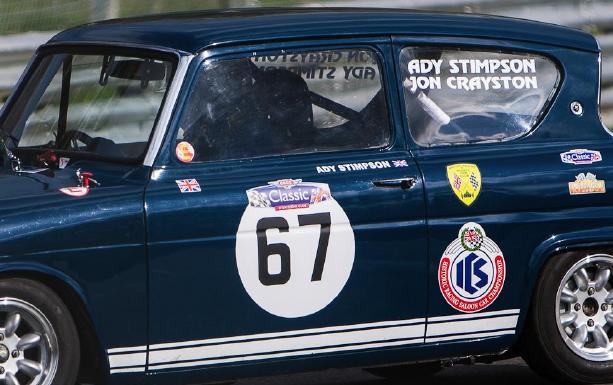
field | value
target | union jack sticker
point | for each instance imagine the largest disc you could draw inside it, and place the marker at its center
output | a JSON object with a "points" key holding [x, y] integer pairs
{"points": [[188, 185], [400, 163]]}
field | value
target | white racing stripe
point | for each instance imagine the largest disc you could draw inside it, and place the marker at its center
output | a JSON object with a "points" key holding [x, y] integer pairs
{"points": [[289, 343], [128, 370], [304, 342], [473, 336], [287, 354], [327, 329]]}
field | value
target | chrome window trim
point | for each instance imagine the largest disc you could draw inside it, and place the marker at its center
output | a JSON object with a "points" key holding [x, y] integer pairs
{"points": [[171, 100]]}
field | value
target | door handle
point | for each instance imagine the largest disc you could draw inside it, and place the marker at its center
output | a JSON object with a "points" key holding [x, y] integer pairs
{"points": [[403, 183]]}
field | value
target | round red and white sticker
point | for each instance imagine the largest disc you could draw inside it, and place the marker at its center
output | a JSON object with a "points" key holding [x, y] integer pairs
{"points": [[472, 270], [185, 152]]}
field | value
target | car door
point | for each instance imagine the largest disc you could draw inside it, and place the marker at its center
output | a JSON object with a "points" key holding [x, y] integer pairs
{"points": [[509, 166], [288, 218]]}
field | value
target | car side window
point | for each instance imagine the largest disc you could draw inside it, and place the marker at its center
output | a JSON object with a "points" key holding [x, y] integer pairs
{"points": [[286, 104], [458, 96]]}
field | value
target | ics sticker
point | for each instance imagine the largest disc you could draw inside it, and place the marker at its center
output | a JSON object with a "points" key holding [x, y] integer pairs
{"points": [[465, 181], [185, 152], [581, 156], [294, 247], [586, 184], [75, 191], [472, 270]]}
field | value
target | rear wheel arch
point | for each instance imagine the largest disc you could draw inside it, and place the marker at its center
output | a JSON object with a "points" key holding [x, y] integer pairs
{"points": [[92, 355]]}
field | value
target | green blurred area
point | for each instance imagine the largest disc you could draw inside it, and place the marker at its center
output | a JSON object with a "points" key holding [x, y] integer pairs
{"points": [[53, 15]]}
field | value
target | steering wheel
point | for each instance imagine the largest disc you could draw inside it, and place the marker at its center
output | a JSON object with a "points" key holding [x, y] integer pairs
{"points": [[71, 137]]}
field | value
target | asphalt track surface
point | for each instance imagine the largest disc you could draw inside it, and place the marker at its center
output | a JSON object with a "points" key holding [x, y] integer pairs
{"points": [[513, 371]]}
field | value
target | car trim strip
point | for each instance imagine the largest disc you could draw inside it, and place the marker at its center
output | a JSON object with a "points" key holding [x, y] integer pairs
{"points": [[471, 336], [169, 105]]}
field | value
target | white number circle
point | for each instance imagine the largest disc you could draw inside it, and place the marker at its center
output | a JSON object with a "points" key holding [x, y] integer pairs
{"points": [[305, 285]]}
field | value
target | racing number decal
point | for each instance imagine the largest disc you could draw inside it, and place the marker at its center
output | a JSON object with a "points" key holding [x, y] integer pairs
{"points": [[294, 247]]}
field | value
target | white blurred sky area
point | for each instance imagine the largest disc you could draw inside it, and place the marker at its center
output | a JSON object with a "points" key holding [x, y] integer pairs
{"points": [[25, 24]]}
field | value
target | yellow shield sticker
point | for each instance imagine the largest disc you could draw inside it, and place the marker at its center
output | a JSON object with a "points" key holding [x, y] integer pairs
{"points": [[465, 181]]}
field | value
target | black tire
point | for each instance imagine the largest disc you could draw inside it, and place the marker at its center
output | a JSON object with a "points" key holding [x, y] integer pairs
{"points": [[60, 319], [542, 346], [402, 373]]}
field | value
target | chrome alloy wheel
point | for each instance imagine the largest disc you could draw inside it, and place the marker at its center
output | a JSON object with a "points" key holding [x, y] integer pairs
{"points": [[28, 344], [584, 308]]}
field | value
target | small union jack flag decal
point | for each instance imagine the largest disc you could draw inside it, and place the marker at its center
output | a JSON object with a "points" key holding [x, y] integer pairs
{"points": [[400, 163], [188, 185]]}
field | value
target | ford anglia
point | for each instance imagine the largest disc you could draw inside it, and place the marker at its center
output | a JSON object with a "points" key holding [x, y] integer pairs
{"points": [[207, 196]]}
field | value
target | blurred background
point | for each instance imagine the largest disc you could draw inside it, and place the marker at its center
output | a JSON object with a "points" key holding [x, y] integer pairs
{"points": [[25, 24]]}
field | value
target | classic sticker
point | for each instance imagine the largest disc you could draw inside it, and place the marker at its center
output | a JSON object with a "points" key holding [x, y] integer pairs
{"points": [[294, 247], [185, 152], [586, 184], [188, 185], [581, 156], [472, 270], [75, 191], [465, 181]]}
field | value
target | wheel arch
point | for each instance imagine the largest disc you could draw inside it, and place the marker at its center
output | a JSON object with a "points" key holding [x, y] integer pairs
{"points": [[93, 365]]}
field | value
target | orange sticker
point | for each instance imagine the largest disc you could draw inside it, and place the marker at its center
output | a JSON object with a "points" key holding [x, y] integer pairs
{"points": [[185, 152]]}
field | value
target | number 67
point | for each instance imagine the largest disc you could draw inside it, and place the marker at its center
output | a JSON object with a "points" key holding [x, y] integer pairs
{"points": [[265, 250]]}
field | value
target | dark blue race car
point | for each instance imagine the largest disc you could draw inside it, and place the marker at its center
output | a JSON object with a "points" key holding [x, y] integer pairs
{"points": [[208, 196]]}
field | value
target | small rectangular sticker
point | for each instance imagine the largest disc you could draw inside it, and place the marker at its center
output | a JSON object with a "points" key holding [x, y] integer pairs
{"points": [[188, 185], [586, 184]]}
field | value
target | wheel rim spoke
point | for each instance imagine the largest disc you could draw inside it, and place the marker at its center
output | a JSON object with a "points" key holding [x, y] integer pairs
{"points": [[602, 277], [580, 335], [568, 296], [29, 367], [581, 279], [12, 324], [609, 318], [600, 337], [568, 319], [10, 379], [28, 341]]}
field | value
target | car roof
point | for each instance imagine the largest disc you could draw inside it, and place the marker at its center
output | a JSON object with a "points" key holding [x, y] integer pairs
{"points": [[192, 32]]}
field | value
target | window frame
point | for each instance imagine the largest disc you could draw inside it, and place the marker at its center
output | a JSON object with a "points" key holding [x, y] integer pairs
{"points": [[482, 45], [387, 76], [94, 49]]}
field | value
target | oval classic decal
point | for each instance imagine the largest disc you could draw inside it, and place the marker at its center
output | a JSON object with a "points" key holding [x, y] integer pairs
{"points": [[472, 270], [294, 247]]}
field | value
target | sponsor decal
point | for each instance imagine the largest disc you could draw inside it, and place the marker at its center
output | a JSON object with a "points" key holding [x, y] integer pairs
{"points": [[472, 270], [586, 184], [361, 166], [188, 185], [63, 162], [76, 191], [294, 247], [287, 194], [465, 181], [185, 152], [581, 156]]}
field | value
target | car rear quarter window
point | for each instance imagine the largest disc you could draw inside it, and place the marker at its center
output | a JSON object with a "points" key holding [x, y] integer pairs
{"points": [[286, 104], [458, 96]]}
